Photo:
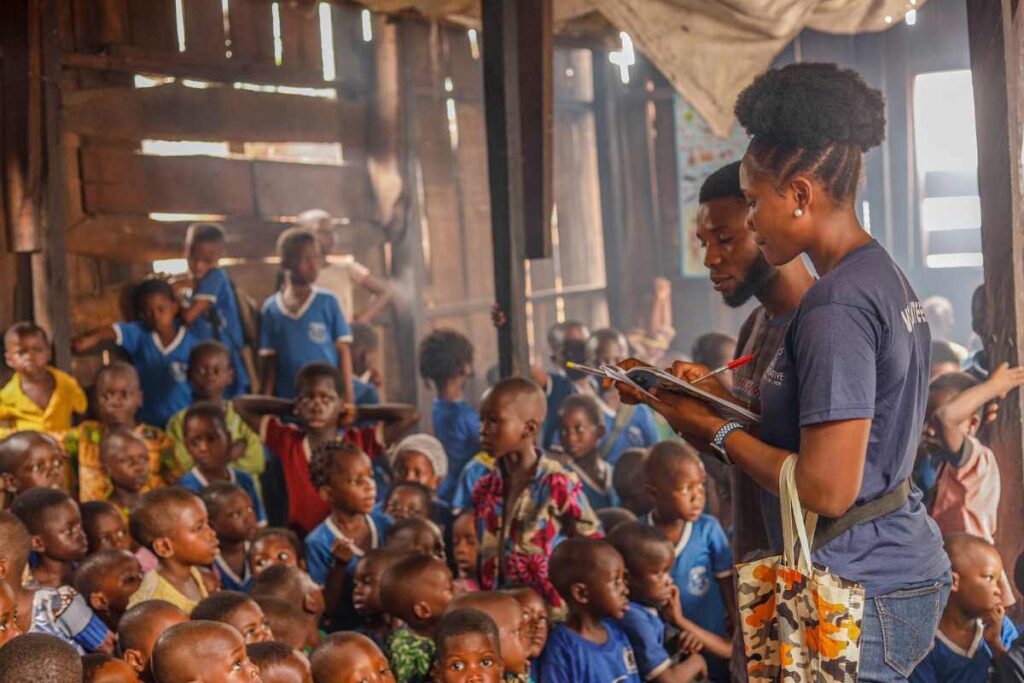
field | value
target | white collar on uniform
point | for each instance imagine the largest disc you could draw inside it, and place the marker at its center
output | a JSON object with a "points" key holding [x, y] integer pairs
{"points": [[202, 480], [970, 651], [178, 338], [684, 538], [338, 533], [313, 291]]}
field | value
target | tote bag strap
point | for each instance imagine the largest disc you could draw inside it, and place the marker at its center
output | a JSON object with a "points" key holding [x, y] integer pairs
{"points": [[796, 525]]}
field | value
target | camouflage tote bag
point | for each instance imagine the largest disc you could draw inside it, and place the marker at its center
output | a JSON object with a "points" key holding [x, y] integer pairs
{"points": [[800, 623]]}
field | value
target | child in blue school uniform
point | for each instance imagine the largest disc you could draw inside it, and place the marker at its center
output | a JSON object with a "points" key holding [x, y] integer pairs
{"points": [[211, 308], [232, 512], [158, 345], [209, 444], [581, 429], [702, 566], [302, 323], [446, 362], [974, 627], [567, 342], [344, 476]]}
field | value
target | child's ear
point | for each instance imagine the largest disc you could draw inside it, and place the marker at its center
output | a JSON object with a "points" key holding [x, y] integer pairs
{"points": [[135, 660], [579, 593], [325, 494], [38, 545], [162, 547], [956, 582], [974, 424], [98, 601], [7, 483], [4, 568], [532, 428], [422, 611]]}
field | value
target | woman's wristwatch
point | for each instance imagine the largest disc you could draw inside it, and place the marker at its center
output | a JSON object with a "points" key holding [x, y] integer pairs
{"points": [[718, 441]]}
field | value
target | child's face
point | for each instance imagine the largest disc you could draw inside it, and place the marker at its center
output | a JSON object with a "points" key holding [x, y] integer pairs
{"points": [[28, 355], [535, 619], [295, 669], [159, 311], [350, 485], [118, 398], [318, 404], [508, 616], [608, 352], [115, 671], [221, 658], [366, 589], [193, 540], [418, 541], [127, 464], [305, 265], [680, 494], [470, 658], [107, 531], [236, 518], [415, 467], [9, 628], [650, 582], [502, 427], [577, 433], [120, 582], [930, 440], [250, 621], [61, 537], [271, 550], [359, 662], [208, 443], [42, 467], [465, 544], [406, 502], [203, 257], [976, 581], [607, 590], [210, 376]]}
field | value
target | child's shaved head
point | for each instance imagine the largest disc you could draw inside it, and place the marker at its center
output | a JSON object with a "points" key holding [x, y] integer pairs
{"points": [[575, 561], [290, 584], [38, 657], [348, 656], [155, 516], [288, 622], [279, 662], [666, 458], [416, 589], [140, 627], [524, 395], [15, 545], [199, 651], [963, 549]]}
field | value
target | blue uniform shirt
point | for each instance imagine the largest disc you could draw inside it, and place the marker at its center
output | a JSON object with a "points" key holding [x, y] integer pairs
{"points": [[476, 469], [949, 663], [600, 493], [307, 336], [321, 539], [194, 481], [560, 388], [570, 658], [223, 322], [646, 633], [163, 370], [858, 348], [229, 580], [457, 427]]}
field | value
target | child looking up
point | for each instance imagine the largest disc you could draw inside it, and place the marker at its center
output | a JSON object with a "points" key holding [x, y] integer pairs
{"points": [[210, 375], [415, 590], [302, 323], [274, 545], [38, 395], [53, 520], [345, 657], [409, 499], [590, 646], [173, 524], [238, 610], [973, 628], [124, 458], [202, 652], [446, 362], [508, 616], [465, 550], [533, 498], [107, 580], [468, 648], [648, 556], [139, 629], [702, 568], [416, 536], [159, 346], [208, 442], [29, 460], [580, 430], [99, 667], [535, 619], [212, 311], [233, 518], [366, 593], [105, 528]]}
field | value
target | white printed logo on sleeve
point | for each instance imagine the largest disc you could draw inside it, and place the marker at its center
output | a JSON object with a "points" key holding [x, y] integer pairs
{"points": [[699, 582], [179, 371], [318, 333], [629, 659]]}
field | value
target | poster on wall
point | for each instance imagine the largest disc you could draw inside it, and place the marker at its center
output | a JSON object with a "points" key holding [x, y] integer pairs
{"points": [[699, 152]]}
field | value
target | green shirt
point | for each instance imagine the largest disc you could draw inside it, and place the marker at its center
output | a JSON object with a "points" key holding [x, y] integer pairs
{"points": [[411, 656], [252, 459]]}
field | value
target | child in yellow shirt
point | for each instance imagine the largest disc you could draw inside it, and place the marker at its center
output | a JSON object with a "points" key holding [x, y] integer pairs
{"points": [[38, 397]]}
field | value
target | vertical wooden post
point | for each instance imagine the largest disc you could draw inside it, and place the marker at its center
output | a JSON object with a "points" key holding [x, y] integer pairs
{"points": [[514, 47], [609, 170], [998, 83]]}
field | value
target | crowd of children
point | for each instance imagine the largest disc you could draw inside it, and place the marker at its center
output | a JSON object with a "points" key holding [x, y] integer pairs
{"points": [[177, 526]]}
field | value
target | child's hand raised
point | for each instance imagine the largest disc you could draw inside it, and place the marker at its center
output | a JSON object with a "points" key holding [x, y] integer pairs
{"points": [[1005, 379], [349, 415], [993, 623], [343, 550], [672, 609]]}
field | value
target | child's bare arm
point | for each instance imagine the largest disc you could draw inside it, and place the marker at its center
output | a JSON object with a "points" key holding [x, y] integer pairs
{"points": [[345, 365], [685, 671], [949, 416], [398, 418], [672, 613], [198, 309], [84, 343], [381, 297], [252, 408]]}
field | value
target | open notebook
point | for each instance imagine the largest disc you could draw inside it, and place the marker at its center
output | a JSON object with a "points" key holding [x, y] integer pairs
{"points": [[643, 379]]}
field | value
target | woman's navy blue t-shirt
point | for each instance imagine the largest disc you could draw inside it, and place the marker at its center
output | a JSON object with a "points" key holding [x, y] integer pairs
{"points": [[858, 347]]}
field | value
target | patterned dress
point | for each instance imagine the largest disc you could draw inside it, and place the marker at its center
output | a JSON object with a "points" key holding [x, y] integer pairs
{"points": [[552, 507], [410, 656], [83, 445]]}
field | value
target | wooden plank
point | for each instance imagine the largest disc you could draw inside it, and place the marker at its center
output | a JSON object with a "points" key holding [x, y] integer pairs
{"points": [[289, 189], [153, 25], [174, 112], [383, 135], [353, 56], [994, 46], [300, 36], [535, 38], [115, 181], [252, 37], [106, 307], [204, 29]]}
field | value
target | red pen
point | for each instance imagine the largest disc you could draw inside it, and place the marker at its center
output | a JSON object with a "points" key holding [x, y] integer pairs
{"points": [[731, 365]]}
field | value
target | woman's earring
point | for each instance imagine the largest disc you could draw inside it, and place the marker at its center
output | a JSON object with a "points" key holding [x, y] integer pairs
{"points": [[798, 212]]}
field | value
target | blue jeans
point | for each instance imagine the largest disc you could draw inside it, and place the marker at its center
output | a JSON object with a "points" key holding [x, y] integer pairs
{"points": [[899, 629]]}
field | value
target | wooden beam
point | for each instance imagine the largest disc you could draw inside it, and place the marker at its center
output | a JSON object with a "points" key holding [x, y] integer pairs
{"points": [[174, 112], [501, 25], [998, 83], [535, 38]]}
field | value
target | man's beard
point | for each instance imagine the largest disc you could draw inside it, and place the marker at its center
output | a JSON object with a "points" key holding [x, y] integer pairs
{"points": [[759, 274]]}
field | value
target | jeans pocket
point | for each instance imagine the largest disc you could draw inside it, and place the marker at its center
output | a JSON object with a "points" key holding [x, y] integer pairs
{"points": [[909, 619]]}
